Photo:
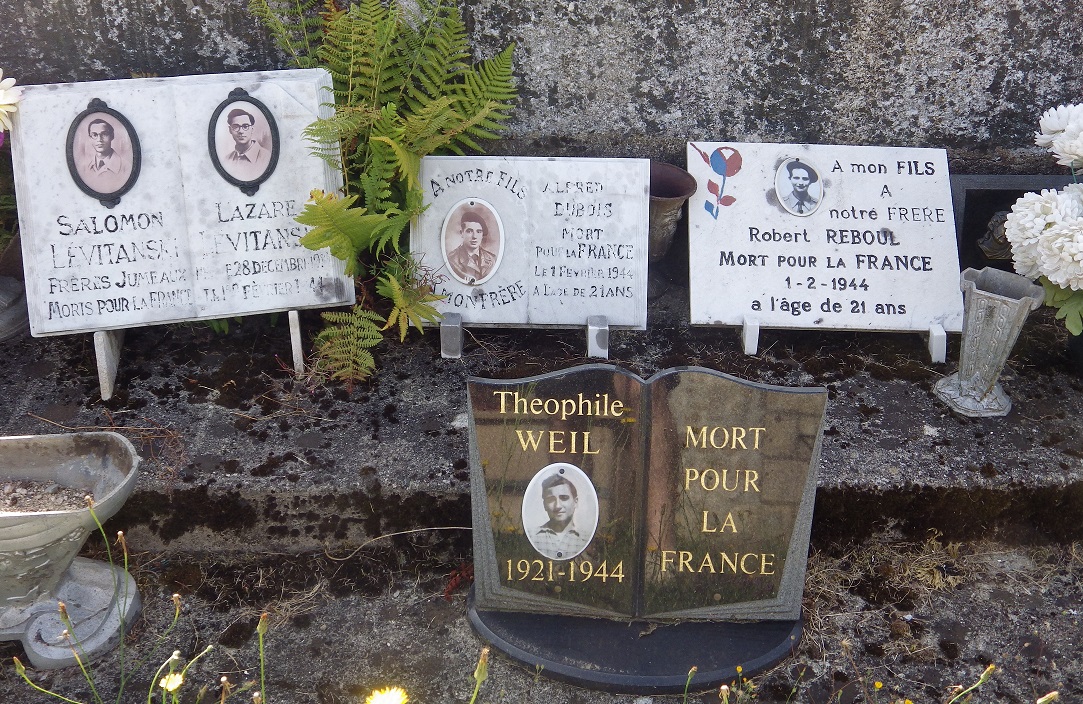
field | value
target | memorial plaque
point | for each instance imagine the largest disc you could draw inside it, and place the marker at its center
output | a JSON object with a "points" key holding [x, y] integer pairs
{"points": [[818, 236], [166, 199], [688, 495], [536, 241]]}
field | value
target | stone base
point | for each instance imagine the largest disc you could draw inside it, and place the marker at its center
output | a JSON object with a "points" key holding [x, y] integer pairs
{"points": [[995, 403], [102, 603], [632, 658]]}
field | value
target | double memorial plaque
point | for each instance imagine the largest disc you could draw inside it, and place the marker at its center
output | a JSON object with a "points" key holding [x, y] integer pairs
{"points": [[684, 497]]}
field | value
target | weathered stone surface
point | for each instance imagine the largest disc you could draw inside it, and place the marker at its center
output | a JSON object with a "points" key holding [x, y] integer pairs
{"points": [[639, 78]]}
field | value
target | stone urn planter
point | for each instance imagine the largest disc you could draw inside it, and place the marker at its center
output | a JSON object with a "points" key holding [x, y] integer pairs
{"points": [[38, 563], [995, 305]]}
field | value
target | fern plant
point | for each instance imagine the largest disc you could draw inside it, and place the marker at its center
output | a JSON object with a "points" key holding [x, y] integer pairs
{"points": [[343, 346], [404, 88]]}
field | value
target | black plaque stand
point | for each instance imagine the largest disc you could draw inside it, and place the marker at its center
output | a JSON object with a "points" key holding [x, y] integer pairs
{"points": [[632, 658]]}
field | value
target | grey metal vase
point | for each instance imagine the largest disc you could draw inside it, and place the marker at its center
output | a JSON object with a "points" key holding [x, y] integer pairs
{"points": [[671, 186], [995, 305], [38, 563]]}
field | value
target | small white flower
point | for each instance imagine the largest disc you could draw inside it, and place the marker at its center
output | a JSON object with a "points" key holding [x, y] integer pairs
{"points": [[1062, 118], [9, 96], [1068, 148]]}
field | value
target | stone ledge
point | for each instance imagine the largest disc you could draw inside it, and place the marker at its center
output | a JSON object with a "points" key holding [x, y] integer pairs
{"points": [[239, 456]]}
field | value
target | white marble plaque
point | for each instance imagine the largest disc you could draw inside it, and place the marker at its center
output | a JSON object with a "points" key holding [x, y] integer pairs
{"points": [[818, 236], [166, 199], [536, 241]]}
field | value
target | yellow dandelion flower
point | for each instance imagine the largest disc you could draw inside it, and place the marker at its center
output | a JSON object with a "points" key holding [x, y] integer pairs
{"points": [[389, 695], [740, 669], [172, 682], [878, 684]]}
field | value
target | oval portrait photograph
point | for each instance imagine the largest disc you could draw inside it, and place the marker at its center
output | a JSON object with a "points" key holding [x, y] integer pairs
{"points": [[103, 153], [560, 511], [243, 141], [473, 241], [798, 187]]}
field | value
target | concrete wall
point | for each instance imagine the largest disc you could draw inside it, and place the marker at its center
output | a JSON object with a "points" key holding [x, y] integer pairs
{"points": [[640, 77]]}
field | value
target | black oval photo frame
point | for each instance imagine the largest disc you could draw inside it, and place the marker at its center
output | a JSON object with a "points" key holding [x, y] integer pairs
{"points": [[107, 198], [239, 95]]}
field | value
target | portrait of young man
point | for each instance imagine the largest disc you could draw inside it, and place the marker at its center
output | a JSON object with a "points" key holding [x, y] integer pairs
{"points": [[472, 242], [803, 197], [99, 163], [243, 156], [569, 507]]}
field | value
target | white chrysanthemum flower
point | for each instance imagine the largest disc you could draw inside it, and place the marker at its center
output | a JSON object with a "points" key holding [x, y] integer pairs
{"points": [[1030, 216], [1068, 148], [9, 96], [1057, 120], [1058, 248]]}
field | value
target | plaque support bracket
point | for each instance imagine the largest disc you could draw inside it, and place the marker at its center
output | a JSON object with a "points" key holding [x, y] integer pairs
{"points": [[598, 336], [107, 354], [295, 342], [750, 335], [451, 336], [938, 343]]}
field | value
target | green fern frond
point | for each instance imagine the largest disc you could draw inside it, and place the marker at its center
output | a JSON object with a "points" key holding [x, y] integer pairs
{"points": [[343, 345], [438, 52], [338, 137], [295, 27], [487, 92], [410, 305], [346, 231]]}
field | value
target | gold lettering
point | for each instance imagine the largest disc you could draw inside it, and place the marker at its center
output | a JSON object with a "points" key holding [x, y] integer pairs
{"points": [[743, 567], [501, 394], [581, 402], [686, 559], [720, 437], [728, 522], [553, 441], [531, 439], [617, 409], [556, 406], [586, 444], [690, 437], [764, 563], [706, 563], [667, 557], [705, 529], [691, 474], [751, 477], [536, 406], [727, 561], [709, 479], [519, 400]]}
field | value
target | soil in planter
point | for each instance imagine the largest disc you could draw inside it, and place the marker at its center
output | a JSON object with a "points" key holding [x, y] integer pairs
{"points": [[28, 496]]}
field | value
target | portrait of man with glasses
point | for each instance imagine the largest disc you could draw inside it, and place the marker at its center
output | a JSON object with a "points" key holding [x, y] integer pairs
{"points": [[248, 159]]}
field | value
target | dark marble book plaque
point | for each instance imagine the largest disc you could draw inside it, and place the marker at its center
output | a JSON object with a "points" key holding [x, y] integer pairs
{"points": [[685, 496]]}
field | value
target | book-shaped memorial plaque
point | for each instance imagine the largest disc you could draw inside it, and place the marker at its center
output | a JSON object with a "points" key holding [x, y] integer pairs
{"points": [[685, 496]]}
